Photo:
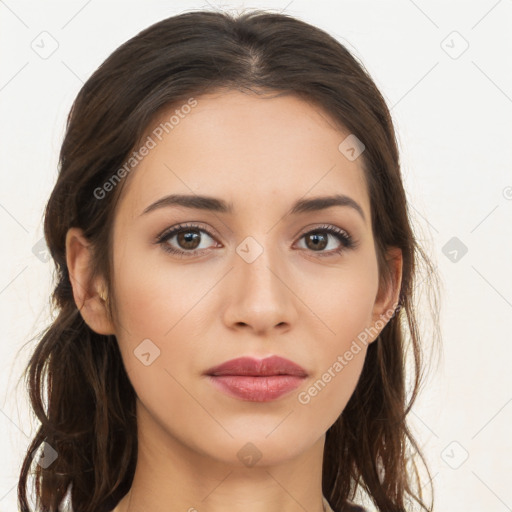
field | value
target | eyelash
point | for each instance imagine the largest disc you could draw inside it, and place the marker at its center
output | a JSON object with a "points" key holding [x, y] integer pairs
{"points": [[347, 242]]}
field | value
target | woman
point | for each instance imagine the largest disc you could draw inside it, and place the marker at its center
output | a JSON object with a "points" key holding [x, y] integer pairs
{"points": [[235, 279]]}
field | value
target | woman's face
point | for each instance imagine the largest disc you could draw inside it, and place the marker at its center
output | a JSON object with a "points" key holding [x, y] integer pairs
{"points": [[248, 280]]}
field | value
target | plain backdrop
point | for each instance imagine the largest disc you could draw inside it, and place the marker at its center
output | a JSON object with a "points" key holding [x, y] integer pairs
{"points": [[444, 71]]}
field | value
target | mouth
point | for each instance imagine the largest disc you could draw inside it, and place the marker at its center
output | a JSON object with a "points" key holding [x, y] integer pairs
{"points": [[257, 380]]}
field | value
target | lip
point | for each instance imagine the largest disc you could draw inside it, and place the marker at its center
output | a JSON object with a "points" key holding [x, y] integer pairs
{"points": [[256, 389], [257, 380], [250, 366]]}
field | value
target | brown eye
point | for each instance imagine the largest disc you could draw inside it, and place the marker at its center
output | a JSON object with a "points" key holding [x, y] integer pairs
{"points": [[316, 241], [188, 240]]}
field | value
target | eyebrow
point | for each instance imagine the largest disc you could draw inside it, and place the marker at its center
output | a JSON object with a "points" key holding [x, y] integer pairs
{"points": [[214, 204]]}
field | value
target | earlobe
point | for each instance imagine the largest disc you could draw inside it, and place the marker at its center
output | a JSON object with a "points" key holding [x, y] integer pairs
{"points": [[86, 293], [388, 299]]}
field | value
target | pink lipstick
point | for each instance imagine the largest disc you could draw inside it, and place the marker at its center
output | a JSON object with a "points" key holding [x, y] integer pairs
{"points": [[257, 380]]}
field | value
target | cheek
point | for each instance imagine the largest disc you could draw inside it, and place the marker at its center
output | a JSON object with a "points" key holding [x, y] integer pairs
{"points": [[152, 296], [342, 299], [342, 354], [157, 309], [154, 336], [344, 303], [328, 394]]}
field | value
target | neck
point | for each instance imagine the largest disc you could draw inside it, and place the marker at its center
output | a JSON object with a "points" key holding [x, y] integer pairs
{"points": [[171, 476]]}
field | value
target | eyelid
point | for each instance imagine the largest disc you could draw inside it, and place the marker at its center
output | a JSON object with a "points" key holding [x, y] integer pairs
{"points": [[188, 225]]}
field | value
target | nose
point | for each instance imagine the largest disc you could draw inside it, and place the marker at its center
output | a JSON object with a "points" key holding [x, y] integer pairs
{"points": [[260, 297]]}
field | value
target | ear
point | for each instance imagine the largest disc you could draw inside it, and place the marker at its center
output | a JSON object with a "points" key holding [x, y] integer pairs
{"points": [[388, 296], [85, 292]]}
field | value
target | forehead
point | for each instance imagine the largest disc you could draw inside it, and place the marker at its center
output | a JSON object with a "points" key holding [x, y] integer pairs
{"points": [[253, 151]]}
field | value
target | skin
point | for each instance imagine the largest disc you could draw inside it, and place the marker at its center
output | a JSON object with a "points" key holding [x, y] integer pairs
{"points": [[262, 154]]}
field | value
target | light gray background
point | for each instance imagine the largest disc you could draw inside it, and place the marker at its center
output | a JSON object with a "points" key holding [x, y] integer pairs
{"points": [[452, 107]]}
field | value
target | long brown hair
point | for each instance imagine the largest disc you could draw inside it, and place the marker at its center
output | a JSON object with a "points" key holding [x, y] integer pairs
{"points": [[89, 418]]}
